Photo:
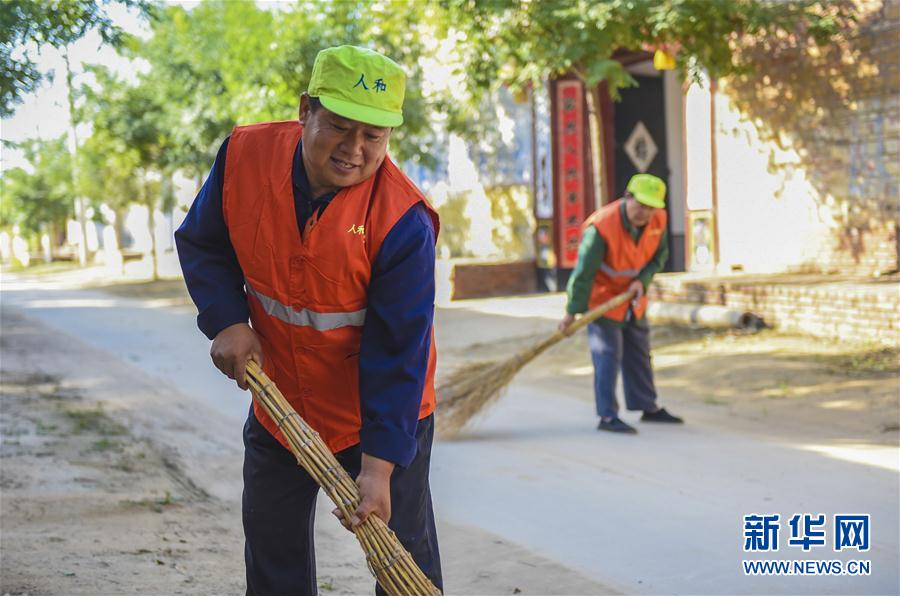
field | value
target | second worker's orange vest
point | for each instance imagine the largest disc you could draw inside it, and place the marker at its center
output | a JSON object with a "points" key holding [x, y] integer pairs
{"points": [[624, 257], [308, 297]]}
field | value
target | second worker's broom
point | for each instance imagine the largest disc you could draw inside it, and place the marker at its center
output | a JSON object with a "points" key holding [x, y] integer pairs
{"points": [[469, 389]]}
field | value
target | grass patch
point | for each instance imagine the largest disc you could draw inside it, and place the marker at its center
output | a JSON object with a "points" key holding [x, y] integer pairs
{"points": [[327, 585], [783, 389], [873, 360], [104, 444], [125, 466], [714, 401], [667, 334], [42, 268], [155, 505], [94, 421], [42, 428], [159, 289]]}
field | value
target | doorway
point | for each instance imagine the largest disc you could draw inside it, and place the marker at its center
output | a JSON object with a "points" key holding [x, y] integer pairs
{"points": [[639, 129]]}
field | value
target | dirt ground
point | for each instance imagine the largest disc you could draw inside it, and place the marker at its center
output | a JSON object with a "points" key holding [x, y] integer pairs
{"points": [[112, 483], [762, 382], [89, 506], [766, 382]]}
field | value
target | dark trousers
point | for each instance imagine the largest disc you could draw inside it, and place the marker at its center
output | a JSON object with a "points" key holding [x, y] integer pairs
{"points": [[628, 348], [279, 509]]}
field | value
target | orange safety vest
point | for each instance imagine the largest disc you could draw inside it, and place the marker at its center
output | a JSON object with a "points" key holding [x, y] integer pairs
{"points": [[308, 296], [624, 257]]}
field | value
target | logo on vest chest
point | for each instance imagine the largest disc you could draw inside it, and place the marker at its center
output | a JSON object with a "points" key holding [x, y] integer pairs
{"points": [[358, 230]]}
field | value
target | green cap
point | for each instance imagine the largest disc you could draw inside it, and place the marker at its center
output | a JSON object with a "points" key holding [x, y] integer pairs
{"points": [[359, 84], [648, 190]]}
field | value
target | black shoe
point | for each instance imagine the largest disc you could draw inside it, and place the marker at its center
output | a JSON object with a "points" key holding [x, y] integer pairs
{"points": [[616, 425], [661, 416]]}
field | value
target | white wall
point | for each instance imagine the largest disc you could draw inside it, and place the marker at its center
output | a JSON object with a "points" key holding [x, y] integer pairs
{"points": [[675, 148], [697, 142], [769, 219]]}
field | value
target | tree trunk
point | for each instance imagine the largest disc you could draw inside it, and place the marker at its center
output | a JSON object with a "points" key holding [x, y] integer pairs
{"points": [[595, 128], [151, 221], [46, 243], [896, 246], [73, 142], [119, 230], [119, 226], [150, 203], [53, 231]]}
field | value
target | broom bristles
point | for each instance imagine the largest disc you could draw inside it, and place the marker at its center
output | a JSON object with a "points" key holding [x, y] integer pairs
{"points": [[468, 390]]}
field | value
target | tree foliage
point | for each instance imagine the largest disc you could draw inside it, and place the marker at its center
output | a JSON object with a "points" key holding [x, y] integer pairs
{"points": [[200, 72], [130, 120], [108, 165], [206, 69], [41, 197], [224, 63], [521, 43], [518, 42], [810, 96], [55, 23]]}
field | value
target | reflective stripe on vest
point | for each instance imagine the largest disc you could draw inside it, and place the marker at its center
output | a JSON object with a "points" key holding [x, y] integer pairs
{"points": [[623, 273], [320, 321]]}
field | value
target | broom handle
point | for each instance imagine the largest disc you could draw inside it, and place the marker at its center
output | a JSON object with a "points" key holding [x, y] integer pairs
{"points": [[597, 312], [399, 573], [579, 323]]}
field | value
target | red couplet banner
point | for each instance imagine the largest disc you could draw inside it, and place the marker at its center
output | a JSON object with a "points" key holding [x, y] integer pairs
{"points": [[570, 198]]}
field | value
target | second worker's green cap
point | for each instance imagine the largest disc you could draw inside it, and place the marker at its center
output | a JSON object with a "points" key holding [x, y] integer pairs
{"points": [[648, 190], [359, 84]]}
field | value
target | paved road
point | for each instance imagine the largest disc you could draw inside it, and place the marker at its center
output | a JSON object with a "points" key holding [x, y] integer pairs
{"points": [[661, 513], [152, 334]]}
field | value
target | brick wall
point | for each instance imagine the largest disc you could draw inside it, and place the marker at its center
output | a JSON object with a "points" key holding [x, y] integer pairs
{"points": [[873, 249], [838, 108], [859, 155], [482, 279], [851, 310]]}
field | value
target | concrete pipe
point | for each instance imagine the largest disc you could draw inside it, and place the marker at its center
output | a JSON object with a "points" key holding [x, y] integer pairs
{"points": [[705, 315]]}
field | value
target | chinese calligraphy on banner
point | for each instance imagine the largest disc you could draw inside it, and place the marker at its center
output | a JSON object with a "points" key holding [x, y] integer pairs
{"points": [[570, 199]]}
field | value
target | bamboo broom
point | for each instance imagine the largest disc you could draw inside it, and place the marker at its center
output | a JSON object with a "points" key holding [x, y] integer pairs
{"points": [[389, 562], [469, 389]]}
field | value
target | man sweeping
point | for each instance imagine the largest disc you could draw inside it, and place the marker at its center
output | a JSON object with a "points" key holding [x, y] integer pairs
{"points": [[623, 245], [308, 230]]}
